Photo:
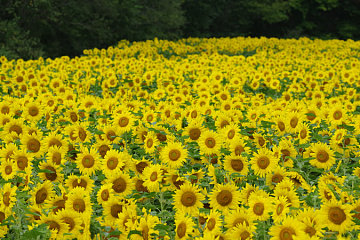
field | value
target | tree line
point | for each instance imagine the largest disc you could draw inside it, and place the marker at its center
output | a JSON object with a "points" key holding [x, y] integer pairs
{"points": [[52, 28]]}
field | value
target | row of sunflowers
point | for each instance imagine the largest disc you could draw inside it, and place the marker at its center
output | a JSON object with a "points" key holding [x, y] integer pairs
{"points": [[222, 138]]}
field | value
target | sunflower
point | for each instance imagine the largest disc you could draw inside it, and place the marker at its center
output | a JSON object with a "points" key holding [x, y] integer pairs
{"points": [[57, 226], [236, 164], [289, 228], [124, 122], [280, 124], [104, 193], [146, 226], [195, 128], [337, 216], [173, 154], [213, 222], [121, 183], [222, 120], [291, 197], [184, 226], [32, 144], [188, 198], [126, 218], [337, 114], [138, 166], [113, 161], [224, 197], [151, 142], [239, 216], [339, 136], [80, 133], [299, 181], [83, 181], [8, 169], [304, 133], [56, 155], [323, 156], [72, 219], [42, 194], [238, 146], [54, 139], [279, 208], [241, 231], [152, 176], [294, 120], [259, 207], [312, 220], [263, 162], [276, 176], [112, 207], [88, 161], [210, 142], [8, 197], [33, 111], [7, 152], [79, 201], [51, 172], [22, 159]]}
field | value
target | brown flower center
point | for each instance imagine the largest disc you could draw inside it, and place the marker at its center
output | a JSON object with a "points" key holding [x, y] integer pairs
{"points": [[73, 116], [310, 231], [294, 122], [105, 194], [60, 204], [258, 209], [22, 162], [238, 150], [8, 169], [70, 222], [33, 111], [322, 156], [224, 198], [79, 205], [211, 224], [210, 142], [112, 163], [88, 161], [140, 187], [237, 165], [281, 126], [263, 162], [181, 230], [140, 166], [337, 115], [115, 210], [149, 143], [15, 128], [41, 196], [53, 225], [111, 135], [231, 134], [280, 209], [194, 134], [240, 220], [103, 150], [51, 176], [188, 199], [119, 185], [82, 183], [6, 199], [123, 121], [174, 154], [336, 215], [287, 233], [153, 176], [277, 178], [311, 117], [303, 134], [33, 145]]}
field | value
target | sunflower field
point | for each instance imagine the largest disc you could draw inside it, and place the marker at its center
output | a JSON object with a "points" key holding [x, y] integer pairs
{"points": [[222, 138]]}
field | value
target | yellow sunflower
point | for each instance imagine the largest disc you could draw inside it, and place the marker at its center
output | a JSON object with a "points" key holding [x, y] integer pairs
{"points": [[213, 222], [112, 207], [42, 193], [239, 215], [54, 139], [51, 172], [313, 223], [195, 128], [151, 142], [210, 142], [8, 197], [83, 181], [276, 176], [72, 219], [279, 208], [241, 231], [238, 146], [22, 159], [337, 114], [224, 197], [8, 169], [79, 201], [113, 161], [263, 162], [121, 183], [323, 156], [304, 133], [146, 226], [33, 111], [188, 199], [174, 155], [88, 161], [56, 155], [32, 144], [289, 228], [337, 216], [152, 176], [104, 193], [259, 206], [236, 164], [57, 226], [184, 227], [124, 122]]}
